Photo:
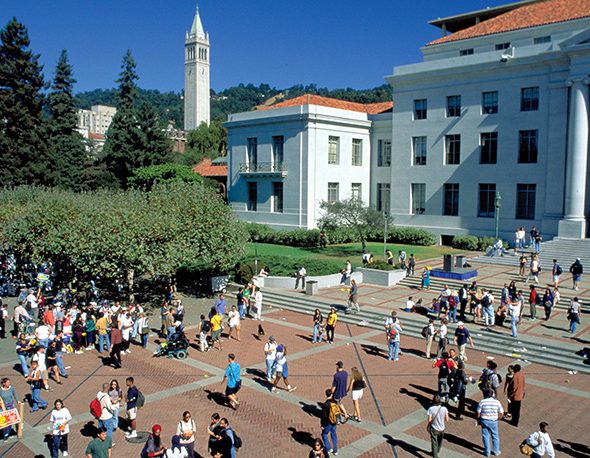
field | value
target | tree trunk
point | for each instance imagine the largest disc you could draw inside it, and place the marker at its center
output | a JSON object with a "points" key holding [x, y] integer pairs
{"points": [[130, 278], [363, 244]]}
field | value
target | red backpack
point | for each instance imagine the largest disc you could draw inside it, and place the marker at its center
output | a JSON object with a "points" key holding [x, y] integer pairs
{"points": [[95, 408]]}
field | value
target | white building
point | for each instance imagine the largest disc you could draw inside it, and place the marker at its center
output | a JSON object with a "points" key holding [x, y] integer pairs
{"points": [[196, 76], [285, 160], [498, 106], [96, 120]]}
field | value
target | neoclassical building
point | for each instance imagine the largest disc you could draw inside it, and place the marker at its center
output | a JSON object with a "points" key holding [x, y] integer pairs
{"points": [[499, 105]]}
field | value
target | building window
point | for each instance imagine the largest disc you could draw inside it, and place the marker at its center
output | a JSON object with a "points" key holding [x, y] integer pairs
{"points": [[452, 149], [383, 196], [529, 99], [277, 197], [489, 104], [487, 196], [541, 40], [357, 151], [419, 150], [451, 199], [333, 150], [453, 106], [420, 109], [502, 46], [252, 154], [356, 191], [525, 201], [252, 196], [466, 52], [418, 198], [384, 153], [277, 152], [488, 147], [527, 146], [333, 192]]}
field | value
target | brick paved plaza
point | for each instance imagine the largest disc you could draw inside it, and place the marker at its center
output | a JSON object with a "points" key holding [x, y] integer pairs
{"points": [[285, 424]]}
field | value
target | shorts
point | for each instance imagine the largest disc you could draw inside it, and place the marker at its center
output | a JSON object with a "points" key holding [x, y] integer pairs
{"points": [[44, 375], [577, 278], [555, 278], [229, 391], [216, 335], [132, 413], [357, 394]]}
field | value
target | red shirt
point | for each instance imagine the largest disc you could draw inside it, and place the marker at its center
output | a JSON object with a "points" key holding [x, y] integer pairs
{"points": [[533, 296], [49, 318]]}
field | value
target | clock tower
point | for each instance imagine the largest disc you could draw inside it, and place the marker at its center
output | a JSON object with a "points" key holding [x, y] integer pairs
{"points": [[196, 75]]}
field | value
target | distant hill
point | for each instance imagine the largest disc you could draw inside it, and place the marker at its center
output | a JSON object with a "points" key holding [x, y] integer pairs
{"points": [[232, 100]]}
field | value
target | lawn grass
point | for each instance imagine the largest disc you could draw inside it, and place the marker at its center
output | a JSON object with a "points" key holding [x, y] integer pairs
{"points": [[333, 257]]}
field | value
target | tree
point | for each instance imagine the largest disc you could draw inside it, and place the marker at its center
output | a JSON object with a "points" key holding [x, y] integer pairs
{"points": [[353, 214], [206, 141], [120, 153], [154, 145], [146, 177], [66, 147], [22, 146]]}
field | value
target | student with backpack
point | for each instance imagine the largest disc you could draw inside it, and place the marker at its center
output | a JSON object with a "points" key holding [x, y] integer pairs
{"points": [[393, 338], [446, 367], [102, 409], [135, 400], [228, 435], [329, 422], [489, 379]]}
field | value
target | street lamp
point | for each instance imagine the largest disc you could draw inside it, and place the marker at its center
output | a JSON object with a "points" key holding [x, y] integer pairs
{"points": [[385, 235], [498, 205], [255, 238]]}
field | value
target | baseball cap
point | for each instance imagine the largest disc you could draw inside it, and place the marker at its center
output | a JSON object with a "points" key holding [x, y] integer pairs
{"points": [[460, 323], [340, 364]]}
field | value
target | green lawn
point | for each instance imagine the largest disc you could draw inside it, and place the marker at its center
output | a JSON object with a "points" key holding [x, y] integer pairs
{"points": [[283, 259]]}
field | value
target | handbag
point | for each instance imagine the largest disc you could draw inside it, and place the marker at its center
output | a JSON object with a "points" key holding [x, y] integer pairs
{"points": [[526, 449]]}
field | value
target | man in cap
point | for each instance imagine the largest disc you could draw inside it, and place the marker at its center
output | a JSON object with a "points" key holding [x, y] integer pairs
{"points": [[462, 335]]}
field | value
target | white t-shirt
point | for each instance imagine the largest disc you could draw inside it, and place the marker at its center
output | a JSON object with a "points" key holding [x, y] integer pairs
{"points": [[58, 418], [515, 309], [258, 299], [176, 453], [127, 326], [40, 358], [438, 414], [186, 427], [32, 299], [234, 319], [280, 360], [443, 331], [43, 332], [409, 304], [272, 348]]}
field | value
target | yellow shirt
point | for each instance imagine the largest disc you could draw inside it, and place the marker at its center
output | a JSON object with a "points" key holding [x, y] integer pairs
{"points": [[216, 323], [331, 320], [101, 326]]}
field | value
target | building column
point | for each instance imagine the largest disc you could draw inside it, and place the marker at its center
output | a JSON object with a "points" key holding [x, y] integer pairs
{"points": [[573, 224]]}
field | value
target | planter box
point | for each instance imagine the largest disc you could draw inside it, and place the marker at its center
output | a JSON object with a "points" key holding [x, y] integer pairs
{"points": [[383, 277], [323, 281]]}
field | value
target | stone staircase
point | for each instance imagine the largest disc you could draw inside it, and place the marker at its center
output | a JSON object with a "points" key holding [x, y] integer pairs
{"points": [[527, 348], [564, 250]]}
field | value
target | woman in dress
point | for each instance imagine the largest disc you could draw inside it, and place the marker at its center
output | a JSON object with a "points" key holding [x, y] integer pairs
{"points": [[425, 278], [60, 419], [355, 386]]}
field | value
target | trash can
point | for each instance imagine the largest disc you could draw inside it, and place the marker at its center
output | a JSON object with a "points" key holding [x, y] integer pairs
{"points": [[460, 260], [448, 262], [311, 287]]}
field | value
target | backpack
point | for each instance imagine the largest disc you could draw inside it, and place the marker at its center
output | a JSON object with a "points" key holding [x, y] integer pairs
{"points": [[95, 408], [334, 414], [486, 380], [237, 440], [391, 333], [485, 301], [425, 331], [206, 326], [443, 369], [558, 270], [140, 402]]}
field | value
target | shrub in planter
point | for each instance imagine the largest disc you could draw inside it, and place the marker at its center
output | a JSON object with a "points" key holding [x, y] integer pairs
{"points": [[412, 236], [382, 265], [465, 242]]}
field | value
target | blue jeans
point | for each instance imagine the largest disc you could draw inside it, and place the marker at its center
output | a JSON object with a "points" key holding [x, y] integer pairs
{"points": [[453, 315], [59, 442], [135, 329], [317, 336], [144, 340], [60, 364], [43, 343], [115, 418], [514, 326], [269, 363], [37, 401], [23, 364], [109, 425], [331, 430], [169, 331], [490, 428], [242, 311], [488, 313], [393, 350], [537, 247], [103, 339], [574, 323]]}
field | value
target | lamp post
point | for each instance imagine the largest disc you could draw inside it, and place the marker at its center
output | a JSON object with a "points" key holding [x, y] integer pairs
{"points": [[255, 238], [498, 205], [385, 235]]}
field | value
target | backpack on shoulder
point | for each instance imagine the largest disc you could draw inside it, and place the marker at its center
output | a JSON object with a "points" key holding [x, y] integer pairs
{"points": [[95, 408], [334, 414], [425, 331], [237, 440], [140, 399]]}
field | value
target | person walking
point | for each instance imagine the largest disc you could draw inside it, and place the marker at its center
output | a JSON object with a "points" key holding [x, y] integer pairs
{"points": [[573, 314], [131, 408], [438, 415], [234, 381], [489, 379], [203, 331], [258, 305], [442, 337], [356, 386], [60, 419], [270, 354], [234, 323], [446, 367], [329, 422], [556, 271], [576, 269], [23, 348], [331, 325], [215, 322], [281, 369], [101, 446], [462, 336], [106, 416], [411, 265], [522, 265], [318, 320], [534, 269], [463, 299], [515, 392], [515, 311], [429, 333], [353, 297], [35, 381], [339, 386], [8, 401], [533, 301], [489, 412], [300, 276], [186, 430], [393, 338], [548, 303], [541, 442]]}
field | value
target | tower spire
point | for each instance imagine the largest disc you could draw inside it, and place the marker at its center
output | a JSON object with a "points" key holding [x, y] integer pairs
{"points": [[197, 27]]}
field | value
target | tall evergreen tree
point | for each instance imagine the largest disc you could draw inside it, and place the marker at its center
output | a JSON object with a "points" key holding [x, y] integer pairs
{"points": [[23, 157], [155, 147], [123, 144], [66, 146]]}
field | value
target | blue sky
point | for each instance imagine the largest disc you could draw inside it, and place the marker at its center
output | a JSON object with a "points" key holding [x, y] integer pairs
{"points": [[333, 43]]}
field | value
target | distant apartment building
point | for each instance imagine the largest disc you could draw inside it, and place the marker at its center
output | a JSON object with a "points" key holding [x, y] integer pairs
{"points": [[96, 120]]}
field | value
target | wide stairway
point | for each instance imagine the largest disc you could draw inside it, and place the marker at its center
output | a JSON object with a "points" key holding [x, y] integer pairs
{"points": [[559, 354], [564, 250]]}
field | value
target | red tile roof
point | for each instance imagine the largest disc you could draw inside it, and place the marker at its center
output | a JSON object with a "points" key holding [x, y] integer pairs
{"points": [[309, 99], [206, 169], [96, 136], [531, 15]]}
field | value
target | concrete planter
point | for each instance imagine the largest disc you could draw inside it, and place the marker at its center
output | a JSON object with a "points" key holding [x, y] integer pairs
{"points": [[382, 277], [323, 281]]}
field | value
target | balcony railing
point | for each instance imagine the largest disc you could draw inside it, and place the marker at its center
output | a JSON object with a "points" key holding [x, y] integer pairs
{"points": [[264, 168]]}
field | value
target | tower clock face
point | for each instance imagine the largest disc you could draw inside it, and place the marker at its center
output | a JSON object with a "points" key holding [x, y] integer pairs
{"points": [[189, 72]]}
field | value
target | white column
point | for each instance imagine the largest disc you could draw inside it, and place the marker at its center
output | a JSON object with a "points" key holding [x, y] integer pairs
{"points": [[574, 224]]}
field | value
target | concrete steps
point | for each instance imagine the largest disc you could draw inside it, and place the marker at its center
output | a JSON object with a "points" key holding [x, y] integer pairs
{"points": [[561, 355]]}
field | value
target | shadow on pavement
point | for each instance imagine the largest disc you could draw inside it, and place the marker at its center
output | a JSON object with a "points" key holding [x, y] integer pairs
{"points": [[572, 448], [302, 437], [311, 409], [409, 448]]}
